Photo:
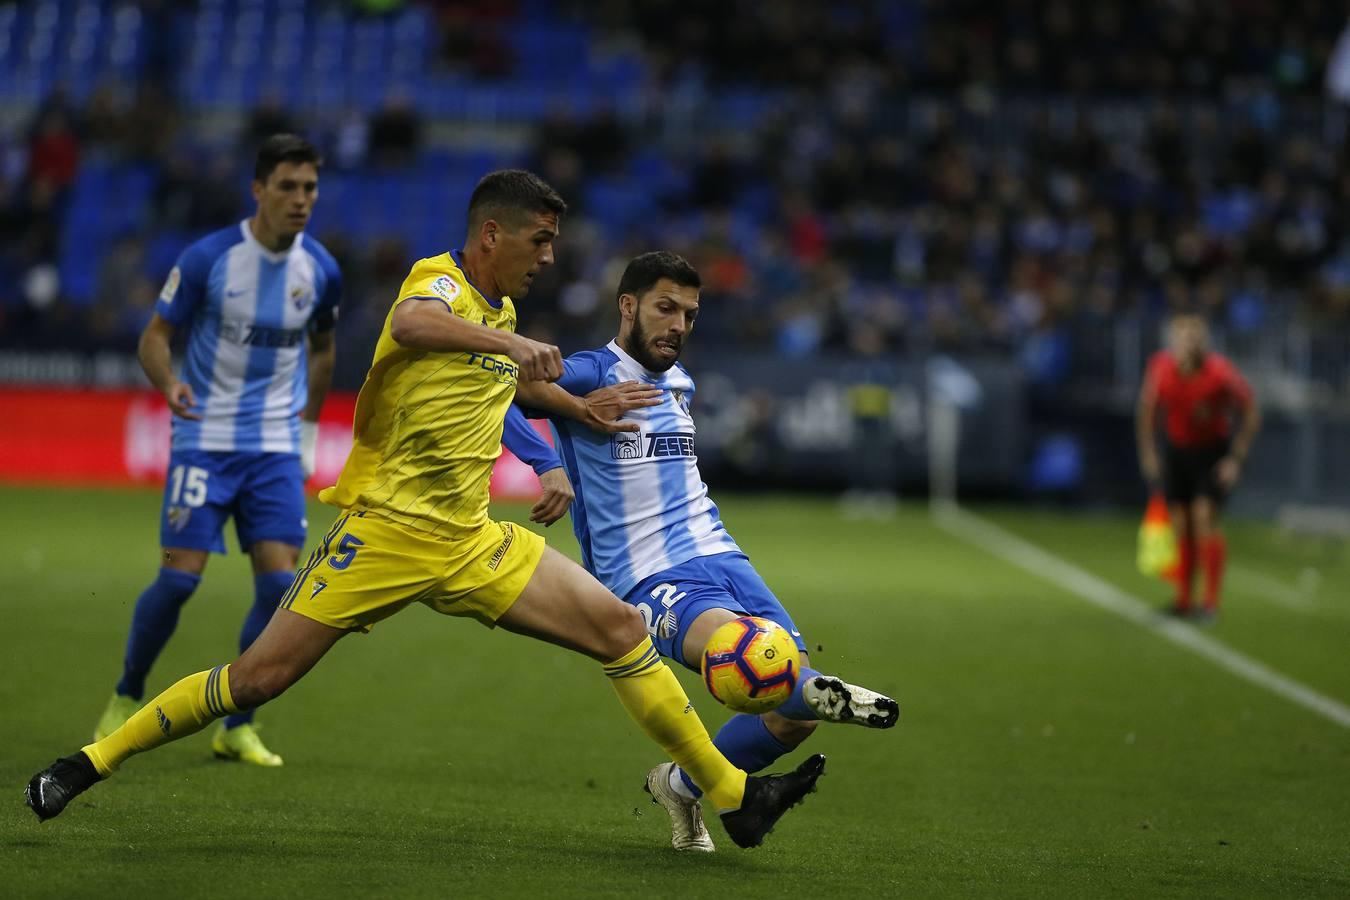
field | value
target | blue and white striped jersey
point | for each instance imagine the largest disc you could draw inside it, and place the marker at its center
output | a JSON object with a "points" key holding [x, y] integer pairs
{"points": [[641, 506], [247, 311]]}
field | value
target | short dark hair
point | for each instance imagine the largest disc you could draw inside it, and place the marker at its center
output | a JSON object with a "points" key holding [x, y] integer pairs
{"points": [[280, 148], [644, 271], [510, 195]]}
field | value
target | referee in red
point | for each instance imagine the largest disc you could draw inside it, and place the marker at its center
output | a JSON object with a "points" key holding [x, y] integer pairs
{"points": [[1199, 393]]}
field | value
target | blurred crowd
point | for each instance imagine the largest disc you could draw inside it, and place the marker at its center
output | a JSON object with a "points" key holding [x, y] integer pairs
{"points": [[962, 175]]}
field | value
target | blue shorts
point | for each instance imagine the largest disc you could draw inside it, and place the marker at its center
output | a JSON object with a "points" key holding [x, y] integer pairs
{"points": [[264, 492], [671, 600]]}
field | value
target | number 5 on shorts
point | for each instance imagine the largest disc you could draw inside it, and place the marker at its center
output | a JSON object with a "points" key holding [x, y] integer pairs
{"points": [[347, 548]]}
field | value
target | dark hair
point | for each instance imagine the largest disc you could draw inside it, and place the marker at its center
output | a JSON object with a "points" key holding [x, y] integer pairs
{"points": [[642, 274], [511, 194], [280, 148]]}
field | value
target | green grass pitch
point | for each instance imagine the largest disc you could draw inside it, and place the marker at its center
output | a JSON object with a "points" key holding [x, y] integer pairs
{"points": [[1045, 748]]}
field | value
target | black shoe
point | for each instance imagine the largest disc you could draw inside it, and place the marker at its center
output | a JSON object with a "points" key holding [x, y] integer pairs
{"points": [[55, 786], [767, 798]]}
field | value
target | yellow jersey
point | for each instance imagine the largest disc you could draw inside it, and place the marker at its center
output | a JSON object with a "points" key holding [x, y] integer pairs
{"points": [[428, 425]]}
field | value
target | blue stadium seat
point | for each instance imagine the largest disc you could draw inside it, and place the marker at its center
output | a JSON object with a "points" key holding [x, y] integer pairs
{"points": [[618, 204], [162, 252], [105, 202]]}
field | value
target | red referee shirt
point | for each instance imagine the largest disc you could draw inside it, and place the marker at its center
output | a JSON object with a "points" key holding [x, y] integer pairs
{"points": [[1197, 408]]}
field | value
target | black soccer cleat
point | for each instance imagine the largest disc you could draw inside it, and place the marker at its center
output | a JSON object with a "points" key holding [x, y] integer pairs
{"points": [[51, 789], [767, 797]]}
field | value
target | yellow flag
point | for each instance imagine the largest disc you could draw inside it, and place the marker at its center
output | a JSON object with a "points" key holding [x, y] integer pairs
{"points": [[1157, 554]]}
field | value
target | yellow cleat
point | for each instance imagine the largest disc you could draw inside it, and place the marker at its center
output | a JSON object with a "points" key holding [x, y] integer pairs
{"points": [[118, 710], [242, 743]]}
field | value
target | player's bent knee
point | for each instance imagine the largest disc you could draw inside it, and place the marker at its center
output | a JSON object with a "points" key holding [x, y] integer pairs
{"points": [[246, 693], [624, 629], [252, 686]]}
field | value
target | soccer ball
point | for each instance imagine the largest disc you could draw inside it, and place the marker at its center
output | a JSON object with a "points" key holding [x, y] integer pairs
{"points": [[751, 665]]}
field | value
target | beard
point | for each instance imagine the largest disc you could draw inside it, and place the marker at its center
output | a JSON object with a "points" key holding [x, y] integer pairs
{"points": [[640, 348]]}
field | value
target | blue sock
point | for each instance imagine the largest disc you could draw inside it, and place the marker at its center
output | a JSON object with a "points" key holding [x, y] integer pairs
{"points": [[747, 742], [267, 591], [152, 624], [795, 706]]}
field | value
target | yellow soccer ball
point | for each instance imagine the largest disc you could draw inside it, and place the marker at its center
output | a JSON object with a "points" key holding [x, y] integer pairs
{"points": [[751, 665]]}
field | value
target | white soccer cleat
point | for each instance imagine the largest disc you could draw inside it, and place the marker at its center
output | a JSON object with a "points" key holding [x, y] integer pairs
{"points": [[833, 700], [687, 831]]}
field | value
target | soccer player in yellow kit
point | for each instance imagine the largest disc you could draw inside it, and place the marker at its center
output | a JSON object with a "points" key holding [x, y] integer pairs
{"points": [[415, 528]]}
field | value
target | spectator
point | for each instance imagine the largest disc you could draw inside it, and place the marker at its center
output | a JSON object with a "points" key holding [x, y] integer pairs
{"points": [[269, 117], [934, 169], [53, 152], [395, 133]]}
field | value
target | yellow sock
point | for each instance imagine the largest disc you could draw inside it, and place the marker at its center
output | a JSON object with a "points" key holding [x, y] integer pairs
{"points": [[653, 697], [186, 708]]}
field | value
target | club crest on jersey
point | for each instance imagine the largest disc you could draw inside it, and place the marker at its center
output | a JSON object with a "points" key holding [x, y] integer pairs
{"points": [[178, 517], [681, 400], [446, 288], [300, 297], [626, 445]]}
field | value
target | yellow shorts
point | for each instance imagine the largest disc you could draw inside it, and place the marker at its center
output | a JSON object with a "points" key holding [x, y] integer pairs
{"points": [[368, 568]]}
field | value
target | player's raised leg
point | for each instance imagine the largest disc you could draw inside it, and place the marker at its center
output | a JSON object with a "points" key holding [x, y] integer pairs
{"points": [[753, 742], [289, 647], [817, 696], [565, 605]]}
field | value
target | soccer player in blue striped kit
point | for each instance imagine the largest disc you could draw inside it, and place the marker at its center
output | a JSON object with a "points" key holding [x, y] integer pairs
{"points": [[258, 302], [651, 534]]}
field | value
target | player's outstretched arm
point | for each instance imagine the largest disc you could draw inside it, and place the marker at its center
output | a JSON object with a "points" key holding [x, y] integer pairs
{"points": [[529, 447], [156, 356], [555, 497], [600, 410], [522, 440], [428, 324]]}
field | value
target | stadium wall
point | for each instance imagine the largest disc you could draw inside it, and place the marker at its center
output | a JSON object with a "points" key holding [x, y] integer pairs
{"points": [[764, 422]]}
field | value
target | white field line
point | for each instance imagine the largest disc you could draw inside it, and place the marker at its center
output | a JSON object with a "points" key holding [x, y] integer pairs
{"points": [[1259, 584], [1045, 565]]}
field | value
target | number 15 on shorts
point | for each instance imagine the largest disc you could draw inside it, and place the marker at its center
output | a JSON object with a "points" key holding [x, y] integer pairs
{"points": [[189, 485]]}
